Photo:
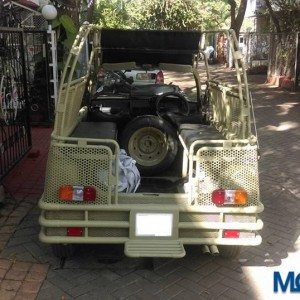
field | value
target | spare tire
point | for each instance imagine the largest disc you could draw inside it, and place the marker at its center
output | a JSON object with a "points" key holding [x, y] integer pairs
{"points": [[151, 142]]}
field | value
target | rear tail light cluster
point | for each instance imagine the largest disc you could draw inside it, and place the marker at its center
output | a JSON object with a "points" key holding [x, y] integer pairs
{"points": [[77, 193], [221, 197], [159, 78]]}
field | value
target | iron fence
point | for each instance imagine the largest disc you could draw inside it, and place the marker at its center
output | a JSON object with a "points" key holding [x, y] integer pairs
{"points": [[255, 48], [15, 137]]}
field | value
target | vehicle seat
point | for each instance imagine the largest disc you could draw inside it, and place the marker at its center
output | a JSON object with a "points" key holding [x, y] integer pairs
{"points": [[152, 90], [177, 120], [193, 132], [96, 130]]}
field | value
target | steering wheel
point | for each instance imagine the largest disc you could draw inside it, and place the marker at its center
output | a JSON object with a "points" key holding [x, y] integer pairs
{"points": [[165, 98]]}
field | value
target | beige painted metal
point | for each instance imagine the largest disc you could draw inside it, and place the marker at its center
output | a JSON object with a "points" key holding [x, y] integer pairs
{"points": [[111, 218]]}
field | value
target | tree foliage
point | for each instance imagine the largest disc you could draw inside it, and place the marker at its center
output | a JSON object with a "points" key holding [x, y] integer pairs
{"points": [[163, 14], [284, 14], [112, 14]]}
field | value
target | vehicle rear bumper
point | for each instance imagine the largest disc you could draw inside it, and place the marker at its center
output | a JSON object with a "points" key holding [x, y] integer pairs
{"points": [[115, 224]]}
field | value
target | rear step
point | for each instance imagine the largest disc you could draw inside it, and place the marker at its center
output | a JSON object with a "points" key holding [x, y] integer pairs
{"points": [[154, 248]]}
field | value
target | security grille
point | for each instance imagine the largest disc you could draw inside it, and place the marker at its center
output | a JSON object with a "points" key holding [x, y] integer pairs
{"points": [[227, 169], [69, 164]]}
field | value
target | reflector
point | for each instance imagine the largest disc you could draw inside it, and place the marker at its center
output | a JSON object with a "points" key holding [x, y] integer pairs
{"points": [[231, 234], [74, 231]]}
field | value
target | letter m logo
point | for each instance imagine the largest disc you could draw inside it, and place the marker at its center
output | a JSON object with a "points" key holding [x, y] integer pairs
{"points": [[290, 280]]}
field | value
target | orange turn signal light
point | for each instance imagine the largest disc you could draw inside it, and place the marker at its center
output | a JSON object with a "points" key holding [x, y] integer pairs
{"points": [[66, 193], [241, 197]]}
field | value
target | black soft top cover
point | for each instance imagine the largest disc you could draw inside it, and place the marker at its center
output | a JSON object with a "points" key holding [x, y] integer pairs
{"points": [[149, 46]]}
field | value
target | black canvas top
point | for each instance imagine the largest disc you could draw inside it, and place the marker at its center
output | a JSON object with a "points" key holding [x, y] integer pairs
{"points": [[149, 46]]}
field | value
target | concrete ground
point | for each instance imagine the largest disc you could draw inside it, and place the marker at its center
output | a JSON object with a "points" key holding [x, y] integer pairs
{"points": [[102, 272]]}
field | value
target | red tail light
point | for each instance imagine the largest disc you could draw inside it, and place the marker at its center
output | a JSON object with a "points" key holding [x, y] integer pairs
{"points": [[75, 231], [89, 193], [218, 196], [159, 78], [233, 234]]}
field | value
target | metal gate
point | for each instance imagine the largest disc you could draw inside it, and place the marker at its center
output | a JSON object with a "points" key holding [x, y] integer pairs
{"points": [[15, 137], [37, 54]]}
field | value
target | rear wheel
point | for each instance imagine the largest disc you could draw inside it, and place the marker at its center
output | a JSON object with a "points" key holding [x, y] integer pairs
{"points": [[151, 142], [63, 251], [229, 251]]}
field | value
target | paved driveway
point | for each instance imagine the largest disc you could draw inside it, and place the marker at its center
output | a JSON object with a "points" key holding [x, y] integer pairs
{"points": [[104, 273]]}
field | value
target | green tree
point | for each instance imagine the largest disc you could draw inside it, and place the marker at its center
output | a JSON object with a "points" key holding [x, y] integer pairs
{"points": [[179, 14], [111, 13], [284, 15], [163, 14]]}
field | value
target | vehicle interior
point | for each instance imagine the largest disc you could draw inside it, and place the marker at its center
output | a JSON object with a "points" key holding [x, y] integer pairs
{"points": [[146, 121], [156, 124]]}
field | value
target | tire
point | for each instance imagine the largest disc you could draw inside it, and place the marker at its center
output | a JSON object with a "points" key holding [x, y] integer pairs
{"points": [[151, 142], [63, 251], [229, 251]]}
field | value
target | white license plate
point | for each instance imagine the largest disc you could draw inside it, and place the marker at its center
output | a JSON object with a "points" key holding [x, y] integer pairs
{"points": [[153, 224]]}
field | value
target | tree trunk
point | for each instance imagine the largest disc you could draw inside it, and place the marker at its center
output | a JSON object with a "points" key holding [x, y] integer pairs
{"points": [[232, 12], [240, 17], [90, 13], [273, 16], [237, 19], [282, 55]]}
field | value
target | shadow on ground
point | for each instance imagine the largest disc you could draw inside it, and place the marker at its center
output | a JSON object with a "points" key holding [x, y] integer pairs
{"points": [[102, 272]]}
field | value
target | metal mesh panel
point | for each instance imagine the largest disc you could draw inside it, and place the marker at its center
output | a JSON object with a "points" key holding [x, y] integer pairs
{"points": [[64, 215], [33, 20], [227, 169], [198, 217], [90, 165], [108, 216], [197, 233], [92, 232], [57, 231], [108, 232]]}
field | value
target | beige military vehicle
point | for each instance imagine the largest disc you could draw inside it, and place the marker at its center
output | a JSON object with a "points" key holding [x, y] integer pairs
{"points": [[153, 167]]}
